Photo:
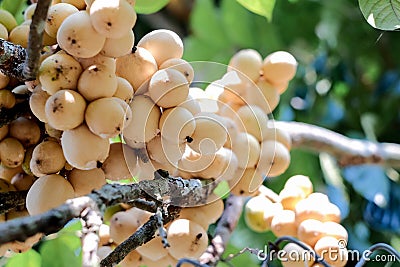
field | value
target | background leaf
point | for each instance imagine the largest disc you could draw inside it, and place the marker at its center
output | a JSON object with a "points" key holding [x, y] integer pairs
{"points": [[62, 251], [149, 6], [381, 14], [260, 7]]}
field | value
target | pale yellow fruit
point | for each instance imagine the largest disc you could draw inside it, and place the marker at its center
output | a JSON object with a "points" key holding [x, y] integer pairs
{"points": [[332, 213], [19, 35], [162, 44], [77, 36], [177, 124], [246, 182], [120, 163], [83, 149], [79, 4], [319, 210], [84, 181], [218, 166], [59, 71], [47, 158], [56, 15], [317, 197], [48, 192], [274, 158], [7, 19], [213, 209], [263, 95], [124, 90], [295, 256], [279, 67], [247, 149], [144, 124], [193, 162], [28, 12], [98, 59], [146, 170], [97, 81], [310, 231], [251, 119], [300, 181], [187, 239], [232, 131], [284, 223], [7, 99], [290, 196], [270, 211], [254, 213], [7, 173], [25, 130], [276, 134], [335, 230], [4, 80], [231, 164], [209, 135], [37, 103], [154, 249], [195, 215], [191, 104], [133, 259], [168, 88], [167, 261], [104, 234], [112, 18], [331, 250], [3, 131], [163, 151], [137, 67], [118, 47], [65, 109], [206, 103], [11, 152], [22, 181], [180, 65], [246, 62], [105, 117], [3, 32]]}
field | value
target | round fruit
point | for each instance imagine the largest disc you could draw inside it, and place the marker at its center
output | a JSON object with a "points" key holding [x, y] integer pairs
{"points": [[7, 173], [118, 47], [263, 95], [112, 18], [6, 186], [56, 15], [168, 88], [300, 181], [79, 4], [59, 71], [4, 79], [270, 211], [7, 99], [22, 181], [120, 163], [231, 164], [98, 59], [193, 162], [254, 213], [295, 256], [3, 131], [25, 130], [191, 104], [11, 152], [7, 19], [97, 81], [136, 67], [165, 152], [47, 158], [77, 36], [48, 192], [3, 35], [177, 124], [124, 90], [332, 251], [284, 223], [162, 44], [180, 65], [19, 35], [84, 181], [247, 149], [187, 239], [335, 230], [310, 231], [251, 119], [83, 149], [290, 196], [277, 134], [144, 124], [65, 109], [279, 67], [247, 62], [274, 158], [133, 259], [245, 182], [37, 103], [154, 249]]}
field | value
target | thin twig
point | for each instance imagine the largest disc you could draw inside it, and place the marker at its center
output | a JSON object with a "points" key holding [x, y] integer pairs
{"points": [[346, 150], [11, 200], [35, 40]]}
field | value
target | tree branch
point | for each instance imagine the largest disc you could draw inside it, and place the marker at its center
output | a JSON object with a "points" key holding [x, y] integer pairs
{"points": [[226, 225], [346, 150], [12, 58], [12, 199]]}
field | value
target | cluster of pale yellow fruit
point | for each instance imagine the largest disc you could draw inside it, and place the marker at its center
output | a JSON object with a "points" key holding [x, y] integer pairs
{"points": [[95, 85], [309, 216]]}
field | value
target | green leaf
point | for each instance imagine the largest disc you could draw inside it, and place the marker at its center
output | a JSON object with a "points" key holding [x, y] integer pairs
{"points": [[149, 6], [260, 7], [29, 258], [63, 251], [239, 31], [13, 6], [381, 14], [206, 24]]}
